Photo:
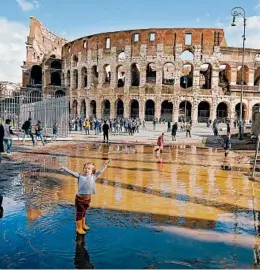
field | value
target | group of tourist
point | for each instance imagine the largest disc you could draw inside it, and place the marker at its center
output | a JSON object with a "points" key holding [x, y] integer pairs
{"points": [[34, 132]]}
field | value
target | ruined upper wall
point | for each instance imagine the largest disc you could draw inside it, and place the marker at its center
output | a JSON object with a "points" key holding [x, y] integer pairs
{"points": [[170, 37], [42, 43]]}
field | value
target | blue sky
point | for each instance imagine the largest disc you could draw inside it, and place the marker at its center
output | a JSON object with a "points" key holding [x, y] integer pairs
{"points": [[73, 19]]}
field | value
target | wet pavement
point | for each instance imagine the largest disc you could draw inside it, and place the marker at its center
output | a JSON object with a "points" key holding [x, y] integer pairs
{"points": [[183, 212]]}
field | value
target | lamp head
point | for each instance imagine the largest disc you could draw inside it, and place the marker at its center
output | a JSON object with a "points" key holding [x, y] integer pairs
{"points": [[234, 21]]}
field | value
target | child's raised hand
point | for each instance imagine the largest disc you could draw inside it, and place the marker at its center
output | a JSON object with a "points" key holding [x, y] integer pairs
{"points": [[107, 162]]}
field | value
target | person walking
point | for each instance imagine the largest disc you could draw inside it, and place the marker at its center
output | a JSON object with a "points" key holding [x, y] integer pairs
{"points": [[174, 131], [8, 132], [2, 134], [188, 130], [160, 144], [27, 128], [87, 126], [38, 132], [54, 132], [105, 131]]}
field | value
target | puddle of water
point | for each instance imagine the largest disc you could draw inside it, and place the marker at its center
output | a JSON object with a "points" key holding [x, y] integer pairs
{"points": [[183, 212]]}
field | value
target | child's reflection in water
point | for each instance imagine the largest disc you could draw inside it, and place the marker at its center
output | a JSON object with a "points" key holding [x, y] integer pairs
{"points": [[81, 260]]}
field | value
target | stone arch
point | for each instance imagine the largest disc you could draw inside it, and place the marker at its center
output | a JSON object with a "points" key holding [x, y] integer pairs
{"points": [[222, 111], [121, 57], [120, 71], [135, 75], [186, 79], [149, 110], [107, 73], [168, 73], [106, 106], [84, 77], [244, 111], [93, 109], [94, 75], [55, 78], [134, 108], [35, 96], [36, 75], [205, 76], [166, 110], [256, 107], [59, 93], [56, 65], [83, 109], [151, 73], [239, 75], [68, 78], [119, 108], [257, 77], [203, 111], [75, 79], [75, 108], [187, 55], [185, 105], [75, 60], [225, 76]]}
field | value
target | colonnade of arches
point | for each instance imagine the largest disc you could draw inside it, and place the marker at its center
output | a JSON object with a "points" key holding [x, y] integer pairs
{"points": [[184, 110], [168, 73]]}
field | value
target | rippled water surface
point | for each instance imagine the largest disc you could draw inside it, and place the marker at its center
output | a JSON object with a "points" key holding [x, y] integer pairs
{"points": [[183, 212]]}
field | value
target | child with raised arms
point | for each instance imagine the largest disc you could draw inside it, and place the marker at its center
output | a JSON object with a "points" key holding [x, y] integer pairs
{"points": [[86, 187]]}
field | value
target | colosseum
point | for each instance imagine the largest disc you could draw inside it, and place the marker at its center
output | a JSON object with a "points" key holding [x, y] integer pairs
{"points": [[145, 73]]}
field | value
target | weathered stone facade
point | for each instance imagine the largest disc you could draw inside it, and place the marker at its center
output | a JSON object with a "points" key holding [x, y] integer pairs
{"points": [[158, 73]]}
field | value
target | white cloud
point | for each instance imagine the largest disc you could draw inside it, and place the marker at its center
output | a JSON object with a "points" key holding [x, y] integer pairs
{"points": [[198, 20], [234, 33], [257, 7], [26, 5], [12, 49]]}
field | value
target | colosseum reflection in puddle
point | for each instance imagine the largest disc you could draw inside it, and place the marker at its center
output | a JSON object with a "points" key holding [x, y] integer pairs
{"points": [[144, 73]]}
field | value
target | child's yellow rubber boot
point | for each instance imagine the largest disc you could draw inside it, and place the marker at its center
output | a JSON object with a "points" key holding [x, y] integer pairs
{"points": [[84, 226], [79, 229]]}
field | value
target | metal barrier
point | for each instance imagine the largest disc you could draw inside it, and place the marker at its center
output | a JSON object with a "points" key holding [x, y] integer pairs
{"points": [[48, 110]]}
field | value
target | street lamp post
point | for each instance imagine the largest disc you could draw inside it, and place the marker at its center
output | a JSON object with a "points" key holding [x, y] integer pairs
{"points": [[235, 12]]}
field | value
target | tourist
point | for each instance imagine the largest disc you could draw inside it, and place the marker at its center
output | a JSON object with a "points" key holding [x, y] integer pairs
{"points": [[160, 144], [168, 126], [174, 131], [27, 128], [228, 129], [227, 145], [54, 132], [38, 132], [87, 126], [188, 130], [86, 187], [2, 134], [105, 131], [8, 132]]}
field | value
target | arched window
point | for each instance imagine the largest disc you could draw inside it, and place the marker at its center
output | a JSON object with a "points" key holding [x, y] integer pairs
{"points": [[239, 75], [120, 71], [186, 79], [151, 73], [168, 74], [135, 75], [36, 75], [75, 79], [84, 77], [94, 73], [107, 74], [205, 76]]}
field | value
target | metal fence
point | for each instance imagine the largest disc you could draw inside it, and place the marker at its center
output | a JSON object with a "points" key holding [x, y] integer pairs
{"points": [[21, 106]]}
